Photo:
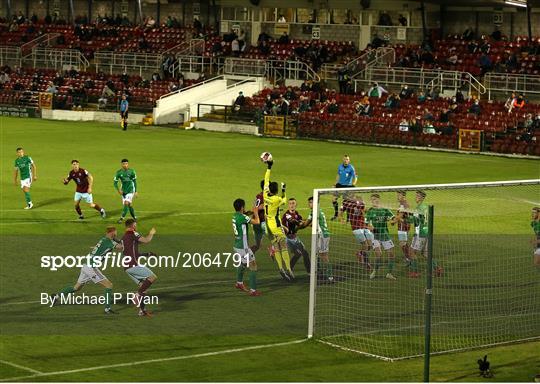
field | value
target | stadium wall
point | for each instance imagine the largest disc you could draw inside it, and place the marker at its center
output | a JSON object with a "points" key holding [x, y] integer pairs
{"points": [[249, 129], [105, 117]]}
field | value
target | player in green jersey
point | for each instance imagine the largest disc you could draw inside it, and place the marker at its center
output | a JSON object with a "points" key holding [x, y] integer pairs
{"points": [[91, 272], [240, 224], [26, 167], [127, 179], [377, 218], [419, 242], [535, 224], [323, 241]]}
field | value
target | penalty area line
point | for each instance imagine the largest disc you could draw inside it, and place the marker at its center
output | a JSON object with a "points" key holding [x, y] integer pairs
{"points": [[22, 367], [151, 361]]}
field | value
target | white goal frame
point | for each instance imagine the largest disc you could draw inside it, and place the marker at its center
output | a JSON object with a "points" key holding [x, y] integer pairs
{"points": [[314, 232]]}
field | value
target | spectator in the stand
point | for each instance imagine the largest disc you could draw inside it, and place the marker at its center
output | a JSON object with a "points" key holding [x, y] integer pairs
{"points": [[392, 101], [444, 117], [305, 87], [509, 104], [496, 34], [476, 109], [73, 72], [242, 40], [239, 102], [416, 125], [485, 63], [284, 106], [333, 108], [402, 20], [421, 98], [404, 125], [459, 97], [51, 88], [20, 18], [282, 19], [4, 78], [428, 116], [264, 48], [433, 93], [289, 94], [453, 58], [376, 91], [235, 47], [519, 102], [48, 19], [263, 36], [365, 107], [88, 83], [124, 78], [284, 38], [405, 92], [197, 25], [106, 94], [156, 76], [173, 87], [343, 78], [385, 19], [429, 129], [34, 18], [468, 35], [303, 105]]}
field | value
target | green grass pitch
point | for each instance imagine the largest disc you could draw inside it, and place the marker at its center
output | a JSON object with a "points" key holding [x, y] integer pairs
{"points": [[187, 182]]}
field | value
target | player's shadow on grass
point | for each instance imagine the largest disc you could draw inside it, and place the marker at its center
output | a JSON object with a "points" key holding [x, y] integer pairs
{"points": [[48, 202], [159, 215]]}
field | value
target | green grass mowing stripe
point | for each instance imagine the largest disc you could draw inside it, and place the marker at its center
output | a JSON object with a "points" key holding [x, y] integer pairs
{"points": [[150, 361]]}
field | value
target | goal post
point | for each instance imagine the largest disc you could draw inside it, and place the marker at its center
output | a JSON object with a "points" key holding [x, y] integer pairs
{"points": [[369, 292]]}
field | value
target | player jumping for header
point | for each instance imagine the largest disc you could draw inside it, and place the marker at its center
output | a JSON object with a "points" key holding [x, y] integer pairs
{"points": [[25, 165], [84, 181], [127, 178]]}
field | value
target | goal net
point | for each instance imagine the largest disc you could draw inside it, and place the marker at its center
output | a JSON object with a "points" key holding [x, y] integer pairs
{"points": [[368, 285]]}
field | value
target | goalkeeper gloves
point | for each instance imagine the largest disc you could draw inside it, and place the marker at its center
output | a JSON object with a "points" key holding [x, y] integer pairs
{"points": [[269, 164], [283, 186]]}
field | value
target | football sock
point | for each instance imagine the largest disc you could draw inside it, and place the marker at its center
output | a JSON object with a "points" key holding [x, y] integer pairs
{"points": [[27, 197], [377, 263], [67, 290], [253, 280], [240, 273], [434, 264], [390, 267], [131, 211], [328, 268], [307, 261], [294, 260], [144, 286], [335, 204], [413, 266], [78, 209], [286, 259], [108, 297], [125, 210], [97, 207], [277, 256]]}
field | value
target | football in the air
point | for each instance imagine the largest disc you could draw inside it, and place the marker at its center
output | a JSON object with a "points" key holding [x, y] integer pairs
{"points": [[266, 157]]}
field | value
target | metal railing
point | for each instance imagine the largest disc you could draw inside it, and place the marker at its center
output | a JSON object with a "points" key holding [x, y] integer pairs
{"points": [[275, 70], [420, 78], [195, 64], [382, 56], [192, 47], [10, 55], [27, 48], [57, 58], [506, 82], [113, 62]]}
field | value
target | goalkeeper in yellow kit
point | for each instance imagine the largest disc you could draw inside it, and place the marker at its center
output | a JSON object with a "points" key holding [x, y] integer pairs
{"points": [[272, 203]]}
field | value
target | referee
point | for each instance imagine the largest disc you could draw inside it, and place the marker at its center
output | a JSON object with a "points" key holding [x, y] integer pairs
{"points": [[346, 177], [124, 110]]}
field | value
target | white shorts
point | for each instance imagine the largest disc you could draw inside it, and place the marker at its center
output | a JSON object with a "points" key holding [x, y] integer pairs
{"points": [[127, 197], [537, 252], [323, 244], [89, 273], [362, 235], [139, 273], [246, 255], [418, 243], [87, 197], [26, 182], [386, 245], [403, 236]]}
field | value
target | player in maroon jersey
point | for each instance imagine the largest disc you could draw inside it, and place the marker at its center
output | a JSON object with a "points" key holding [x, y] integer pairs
{"points": [[403, 224], [260, 229], [353, 206], [292, 222], [84, 181], [140, 274]]}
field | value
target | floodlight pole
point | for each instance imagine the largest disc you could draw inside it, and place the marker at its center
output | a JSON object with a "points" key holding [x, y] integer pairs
{"points": [[428, 295]]}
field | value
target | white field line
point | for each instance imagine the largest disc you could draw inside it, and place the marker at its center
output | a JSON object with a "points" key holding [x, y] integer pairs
{"points": [[151, 361], [153, 289], [20, 367]]}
